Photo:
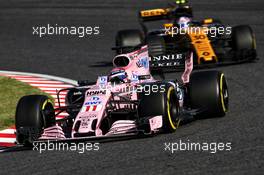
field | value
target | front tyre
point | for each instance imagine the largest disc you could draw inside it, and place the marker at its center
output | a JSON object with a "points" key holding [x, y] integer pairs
{"points": [[33, 114], [164, 103], [209, 93]]}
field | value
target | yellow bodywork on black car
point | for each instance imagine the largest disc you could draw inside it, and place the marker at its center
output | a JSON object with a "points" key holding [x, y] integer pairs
{"points": [[203, 47]]}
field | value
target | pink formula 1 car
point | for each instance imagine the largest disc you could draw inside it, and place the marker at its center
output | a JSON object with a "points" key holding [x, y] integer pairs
{"points": [[128, 101]]}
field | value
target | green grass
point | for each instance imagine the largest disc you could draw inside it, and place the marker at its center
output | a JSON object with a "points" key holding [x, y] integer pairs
{"points": [[11, 91]]}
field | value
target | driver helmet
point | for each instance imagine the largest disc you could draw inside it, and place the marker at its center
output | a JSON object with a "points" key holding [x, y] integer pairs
{"points": [[183, 22], [118, 76]]}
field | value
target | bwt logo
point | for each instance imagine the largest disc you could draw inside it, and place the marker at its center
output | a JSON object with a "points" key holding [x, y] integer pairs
{"points": [[95, 98], [94, 101], [96, 92], [167, 57]]}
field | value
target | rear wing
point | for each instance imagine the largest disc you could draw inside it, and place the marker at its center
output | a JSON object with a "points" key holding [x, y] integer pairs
{"points": [[162, 13], [154, 14], [177, 9]]}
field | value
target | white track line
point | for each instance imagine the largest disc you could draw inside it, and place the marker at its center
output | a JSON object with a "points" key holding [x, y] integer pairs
{"points": [[46, 88], [8, 131], [55, 93], [50, 85], [55, 96], [66, 80], [41, 81], [29, 78], [7, 140]]}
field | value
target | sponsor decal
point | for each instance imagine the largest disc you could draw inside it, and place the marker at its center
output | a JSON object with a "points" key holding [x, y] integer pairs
{"points": [[143, 62], [88, 117], [93, 101], [170, 64], [85, 123], [77, 93], [91, 108], [96, 92], [102, 80], [154, 12], [144, 77], [167, 57], [134, 76], [94, 104]]}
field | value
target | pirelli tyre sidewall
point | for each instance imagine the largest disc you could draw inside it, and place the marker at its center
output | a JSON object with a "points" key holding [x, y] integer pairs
{"points": [[208, 93], [33, 114], [164, 103], [171, 116]]}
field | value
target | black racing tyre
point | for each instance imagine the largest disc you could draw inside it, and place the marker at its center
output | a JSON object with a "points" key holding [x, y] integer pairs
{"points": [[243, 41], [128, 38], [156, 45], [165, 103], [33, 114], [208, 92]]}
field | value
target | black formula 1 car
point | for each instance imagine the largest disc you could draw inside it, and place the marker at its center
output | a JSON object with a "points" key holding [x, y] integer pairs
{"points": [[210, 40]]}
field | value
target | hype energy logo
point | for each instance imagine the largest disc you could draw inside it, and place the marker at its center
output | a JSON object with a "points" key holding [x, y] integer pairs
{"points": [[94, 104]]}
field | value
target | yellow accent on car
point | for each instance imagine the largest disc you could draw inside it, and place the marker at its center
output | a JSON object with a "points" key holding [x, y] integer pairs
{"points": [[254, 42], [180, 1], [208, 21], [202, 45], [153, 12], [221, 93], [168, 25], [168, 109], [45, 103]]}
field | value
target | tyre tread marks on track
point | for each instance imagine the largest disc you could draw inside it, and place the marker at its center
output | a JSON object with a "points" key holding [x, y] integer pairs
{"points": [[49, 86]]}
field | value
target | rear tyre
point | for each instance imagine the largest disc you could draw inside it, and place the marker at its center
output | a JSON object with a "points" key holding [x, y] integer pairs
{"points": [[165, 103], [33, 114], [128, 38], [209, 93], [244, 42]]}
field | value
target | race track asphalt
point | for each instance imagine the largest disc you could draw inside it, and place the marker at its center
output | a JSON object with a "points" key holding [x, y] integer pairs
{"points": [[72, 57]]}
